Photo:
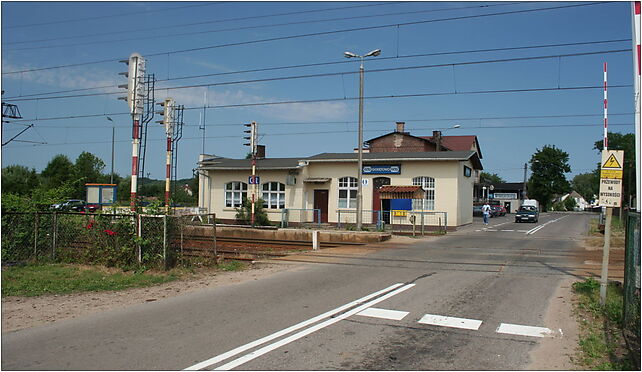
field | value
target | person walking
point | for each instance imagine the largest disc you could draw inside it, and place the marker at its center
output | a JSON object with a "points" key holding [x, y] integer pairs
{"points": [[486, 212]]}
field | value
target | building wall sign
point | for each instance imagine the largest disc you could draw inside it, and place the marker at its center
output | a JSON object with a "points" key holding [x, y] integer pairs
{"points": [[382, 169], [505, 195]]}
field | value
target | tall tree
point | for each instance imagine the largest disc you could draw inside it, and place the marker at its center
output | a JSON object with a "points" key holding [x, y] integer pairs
{"points": [[626, 142], [58, 171], [548, 166], [89, 167], [490, 178], [587, 184], [19, 180]]}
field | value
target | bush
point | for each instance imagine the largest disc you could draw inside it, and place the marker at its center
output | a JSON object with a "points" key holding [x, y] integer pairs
{"points": [[244, 214]]}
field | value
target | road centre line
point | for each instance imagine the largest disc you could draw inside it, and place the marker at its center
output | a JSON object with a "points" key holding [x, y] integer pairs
{"points": [[240, 349], [266, 349], [522, 330], [452, 322], [538, 228], [374, 312]]}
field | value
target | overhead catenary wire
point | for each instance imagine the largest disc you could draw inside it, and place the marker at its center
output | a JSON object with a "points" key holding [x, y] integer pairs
{"points": [[325, 132], [325, 74], [307, 35], [306, 22], [342, 62], [409, 95]]}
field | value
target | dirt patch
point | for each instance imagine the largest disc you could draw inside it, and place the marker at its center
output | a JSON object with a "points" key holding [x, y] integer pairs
{"points": [[25, 312]]}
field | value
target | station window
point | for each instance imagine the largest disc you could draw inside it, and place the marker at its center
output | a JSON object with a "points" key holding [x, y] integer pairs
{"points": [[235, 192], [273, 195], [428, 184], [347, 192]]}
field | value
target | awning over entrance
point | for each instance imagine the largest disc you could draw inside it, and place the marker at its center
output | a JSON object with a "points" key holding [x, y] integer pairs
{"points": [[401, 192], [316, 180]]}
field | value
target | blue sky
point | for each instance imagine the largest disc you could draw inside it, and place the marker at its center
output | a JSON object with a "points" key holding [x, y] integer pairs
{"points": [[452, 76]]}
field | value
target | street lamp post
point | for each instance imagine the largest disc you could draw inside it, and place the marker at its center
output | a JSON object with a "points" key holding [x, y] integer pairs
{"points": [[113, 132], [373, 53]]}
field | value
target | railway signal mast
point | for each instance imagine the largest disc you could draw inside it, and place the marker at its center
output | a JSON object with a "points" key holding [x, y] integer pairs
{"points": [[254, 179], [140, 98], [173, 123]]}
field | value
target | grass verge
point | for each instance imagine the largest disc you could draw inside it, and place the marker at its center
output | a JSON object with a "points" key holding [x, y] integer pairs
{"points": [[601, 345], [42, 279]]}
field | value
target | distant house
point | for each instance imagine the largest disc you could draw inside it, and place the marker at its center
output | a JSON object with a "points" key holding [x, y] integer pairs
{"points": [[580, 203], [187, 189]]}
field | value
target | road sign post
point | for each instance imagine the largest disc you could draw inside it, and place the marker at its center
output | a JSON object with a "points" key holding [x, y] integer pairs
{"points": [[610, 197]]}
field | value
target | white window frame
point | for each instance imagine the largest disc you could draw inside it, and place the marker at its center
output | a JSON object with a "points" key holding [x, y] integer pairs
{"points": [[428, 185], [273, 195], [235, 193], [348, 187]]}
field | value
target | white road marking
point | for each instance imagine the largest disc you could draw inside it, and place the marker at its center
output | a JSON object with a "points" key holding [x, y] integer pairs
{"points": [[240, 349], [522, 330], [384, 313], [447, 321], [538, 228], [266, 349], [508, 230]]}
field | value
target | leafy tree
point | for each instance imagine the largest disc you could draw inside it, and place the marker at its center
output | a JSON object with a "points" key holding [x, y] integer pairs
{"points": [[89, 167], [626, 142], [19, 180], [58, 171], [547, 180], [587, 184], [490, 178], [570, 204]]}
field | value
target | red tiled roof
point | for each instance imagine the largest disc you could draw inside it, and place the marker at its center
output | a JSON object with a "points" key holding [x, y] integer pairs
{"points": [[399, 188]]}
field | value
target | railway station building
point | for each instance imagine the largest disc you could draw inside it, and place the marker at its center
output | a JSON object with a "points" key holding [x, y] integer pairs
{"points": [[401, 172]]}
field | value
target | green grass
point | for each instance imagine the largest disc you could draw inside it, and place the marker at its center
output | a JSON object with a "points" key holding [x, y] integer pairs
{"points": [[233, 265], [601, 346], [42, 279]]}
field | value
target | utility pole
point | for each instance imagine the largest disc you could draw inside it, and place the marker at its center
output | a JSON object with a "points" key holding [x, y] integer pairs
{"points": [[524, 187]]}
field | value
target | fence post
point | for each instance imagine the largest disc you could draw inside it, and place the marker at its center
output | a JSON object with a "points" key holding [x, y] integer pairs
{"points": [[315, 240], [339, 219], [35, 236], [318, 212], [54, 233], [214, 238], [165, 241], [422, 223], [139, 234]]}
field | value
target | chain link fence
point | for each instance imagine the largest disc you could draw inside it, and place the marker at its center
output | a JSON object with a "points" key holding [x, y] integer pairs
{"points": [[121, 240], [631, 313]]}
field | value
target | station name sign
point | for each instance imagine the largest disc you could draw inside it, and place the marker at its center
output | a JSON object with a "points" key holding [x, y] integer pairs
{"points": [[382, 169], [611, 178]]}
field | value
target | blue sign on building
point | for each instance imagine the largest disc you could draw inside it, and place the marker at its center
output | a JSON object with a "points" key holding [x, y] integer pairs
{"points": [[254, 180], [382, 169]]}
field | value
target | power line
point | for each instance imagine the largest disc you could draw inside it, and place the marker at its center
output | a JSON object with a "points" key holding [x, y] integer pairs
{"points": [[342, 62], [309, 35], [236, 124], [413, 95], [247, 27], [165, 27], [325, 74], [83, 19], [321, 132]]}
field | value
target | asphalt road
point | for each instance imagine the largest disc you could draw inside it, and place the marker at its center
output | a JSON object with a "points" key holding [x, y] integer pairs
{"points": [[474, 299]]}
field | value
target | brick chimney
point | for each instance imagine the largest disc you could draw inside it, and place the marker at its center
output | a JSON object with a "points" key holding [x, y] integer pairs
{"points": [[436, 136], [260, 151], [400, 126]]}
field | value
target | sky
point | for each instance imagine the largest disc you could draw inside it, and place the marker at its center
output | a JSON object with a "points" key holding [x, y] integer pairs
{"points": [[518, 75]]}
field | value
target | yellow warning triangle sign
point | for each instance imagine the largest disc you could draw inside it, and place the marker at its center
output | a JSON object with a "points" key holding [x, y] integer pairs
{"points": [[611, 162]]}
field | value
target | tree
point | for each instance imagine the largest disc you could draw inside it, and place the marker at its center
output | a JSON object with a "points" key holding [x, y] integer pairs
{"points": [[19, 180], [89, 167], [58, 171], [587, 184], [244, 214], [490, 178], [626, 142], [548, 166]]}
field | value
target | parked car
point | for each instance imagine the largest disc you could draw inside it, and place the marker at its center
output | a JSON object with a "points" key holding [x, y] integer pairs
{"points": [[498, 210], [75, 205], [527, 214], [477, 211]]}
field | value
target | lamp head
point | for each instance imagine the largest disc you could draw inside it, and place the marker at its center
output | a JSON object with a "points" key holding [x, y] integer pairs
{"points": [[373, 53], [349, 55]]}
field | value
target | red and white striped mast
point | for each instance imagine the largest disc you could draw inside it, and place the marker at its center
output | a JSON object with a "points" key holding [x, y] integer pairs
{"points": [[606, 111], [637, 63], [169, 121]]}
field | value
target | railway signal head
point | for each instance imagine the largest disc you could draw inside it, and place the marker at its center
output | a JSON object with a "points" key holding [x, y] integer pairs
{"points": [[135, 83]]}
